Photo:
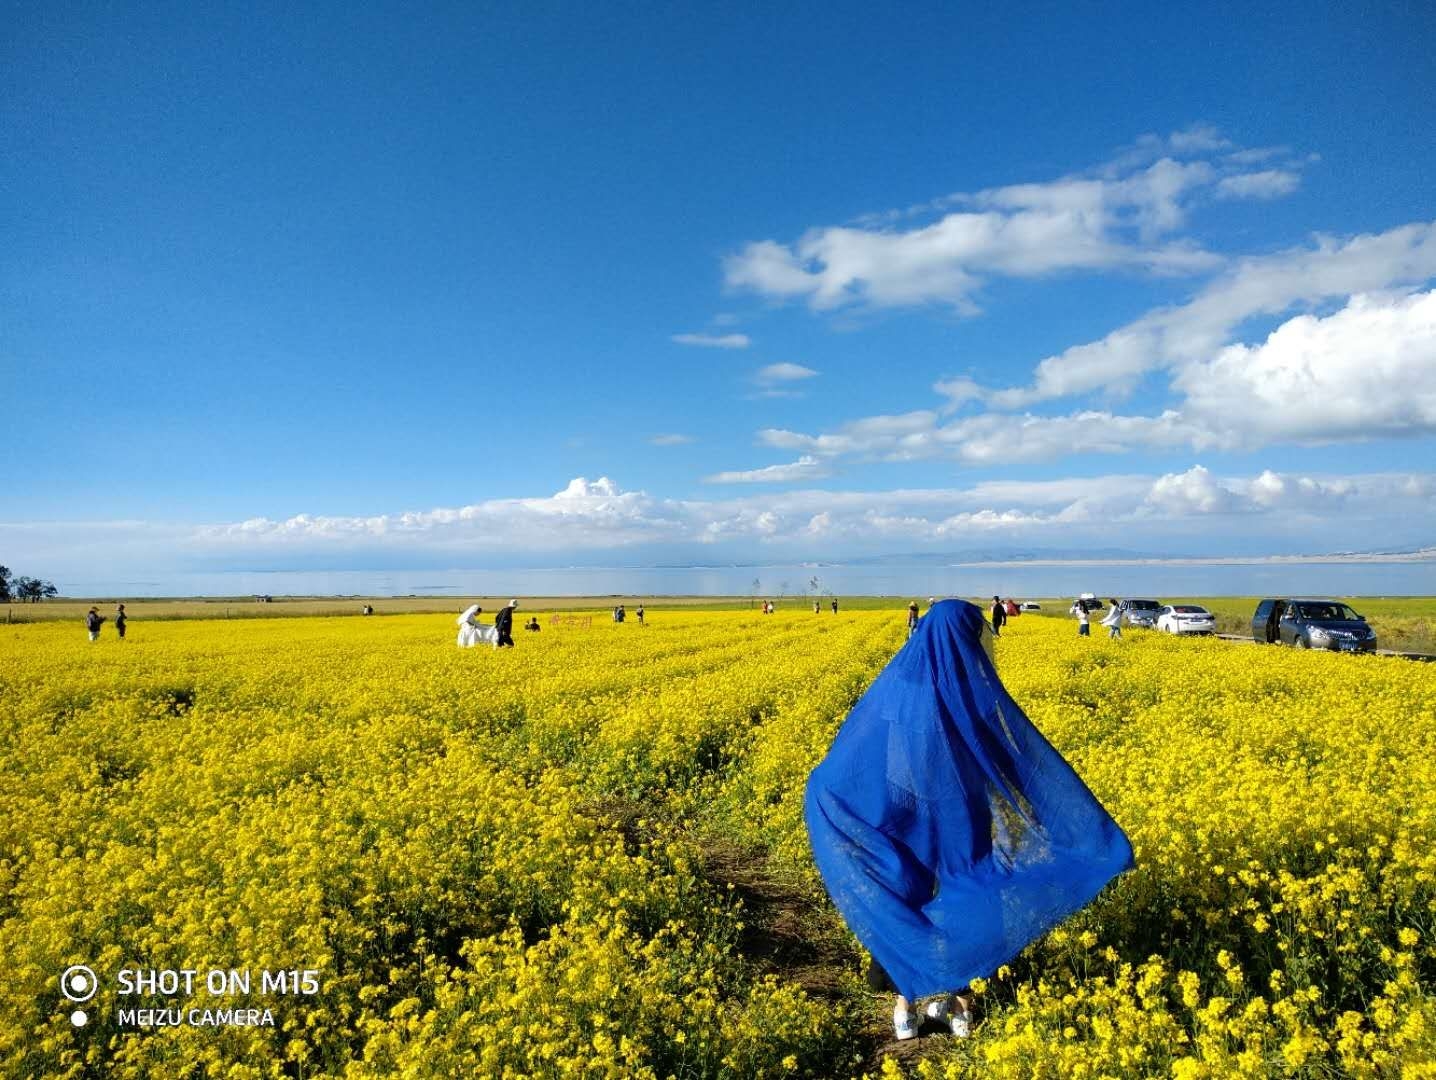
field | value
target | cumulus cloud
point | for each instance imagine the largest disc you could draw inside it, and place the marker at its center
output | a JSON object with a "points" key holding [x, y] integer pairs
{"points": [[1113, 216], [1199, 493], [1365, 371], [1195, 491], [1362, 372], [598, 515], [1260, 285], [714, 341]]}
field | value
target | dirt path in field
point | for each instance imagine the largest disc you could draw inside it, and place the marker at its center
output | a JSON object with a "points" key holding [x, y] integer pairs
{"points": [[797, 936]]}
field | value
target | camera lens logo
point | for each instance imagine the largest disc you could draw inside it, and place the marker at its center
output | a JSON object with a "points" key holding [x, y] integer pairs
{"points": [[79, 983]]}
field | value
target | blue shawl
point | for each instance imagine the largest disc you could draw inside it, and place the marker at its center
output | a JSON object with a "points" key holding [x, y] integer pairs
{"points": [[949, 833]]}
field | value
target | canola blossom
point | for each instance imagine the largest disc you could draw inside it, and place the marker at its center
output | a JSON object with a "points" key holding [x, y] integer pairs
{"points": [[508, 864]]}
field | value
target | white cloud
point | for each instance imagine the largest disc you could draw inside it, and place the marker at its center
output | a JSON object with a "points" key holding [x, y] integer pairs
{"points": [[1260, 285], [1111, 217], [805, 468], [714, 341], [781, 373], [581, 488], [1195, 491], [1366, 371], [958, 391], [671, 439], [1267, 184], [873, 435], [598, 515]]}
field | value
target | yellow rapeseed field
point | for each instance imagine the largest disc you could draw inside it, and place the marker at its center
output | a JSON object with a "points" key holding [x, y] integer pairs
{"points": [[585, 856]]}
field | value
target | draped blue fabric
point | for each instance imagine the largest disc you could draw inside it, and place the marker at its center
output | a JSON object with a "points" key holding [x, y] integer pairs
{"points": [[948, 831]]}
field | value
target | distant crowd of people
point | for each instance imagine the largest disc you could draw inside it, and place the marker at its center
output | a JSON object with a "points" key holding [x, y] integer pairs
{"points": [[472, 632]]}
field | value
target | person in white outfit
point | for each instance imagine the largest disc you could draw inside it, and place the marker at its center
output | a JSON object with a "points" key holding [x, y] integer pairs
{"points": [[1113, 621], [472, 632]]}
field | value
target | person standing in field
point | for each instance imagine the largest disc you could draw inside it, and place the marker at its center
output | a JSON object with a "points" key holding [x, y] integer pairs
{"points": [[120, 621], [93, 621], [1084, 628], [639, 612], [504, 624], [470, 630], [1113, 621], [999, 617], [948, 832], [817, 607], [835, 605], [912, 618]]}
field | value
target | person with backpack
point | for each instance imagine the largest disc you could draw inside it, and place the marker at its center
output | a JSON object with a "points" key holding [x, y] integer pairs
{"points": [[999, 617], [93, 621]]}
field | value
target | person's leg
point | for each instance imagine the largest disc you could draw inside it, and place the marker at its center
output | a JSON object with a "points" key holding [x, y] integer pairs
{"points": [[962, 1013], [904, 1022]]}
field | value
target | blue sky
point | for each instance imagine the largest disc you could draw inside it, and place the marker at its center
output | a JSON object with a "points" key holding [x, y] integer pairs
{"points": [[554, 283]]}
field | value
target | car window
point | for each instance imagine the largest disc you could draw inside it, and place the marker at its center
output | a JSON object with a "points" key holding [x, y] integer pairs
{"points": [[1326, 611], [1263, 609], [1190, 609]]}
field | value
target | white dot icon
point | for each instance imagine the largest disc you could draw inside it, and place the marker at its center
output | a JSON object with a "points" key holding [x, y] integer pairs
{"points": [[78, 1018], [79, 984]]}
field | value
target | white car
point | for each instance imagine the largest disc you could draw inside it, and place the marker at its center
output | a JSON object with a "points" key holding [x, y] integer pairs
{"points": [[1029, 605], [1186, 619]]}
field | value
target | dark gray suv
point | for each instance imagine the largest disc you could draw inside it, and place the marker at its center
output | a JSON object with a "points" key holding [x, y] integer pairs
{"points": [[1312, 624]]}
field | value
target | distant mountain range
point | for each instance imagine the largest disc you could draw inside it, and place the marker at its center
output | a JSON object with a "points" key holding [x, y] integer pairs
{"points": [[1002, 555]]}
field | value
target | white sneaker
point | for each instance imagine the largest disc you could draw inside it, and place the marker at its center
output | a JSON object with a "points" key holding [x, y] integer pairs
{"points": [[958, 1022], [904, 1025], [961, 1023]]}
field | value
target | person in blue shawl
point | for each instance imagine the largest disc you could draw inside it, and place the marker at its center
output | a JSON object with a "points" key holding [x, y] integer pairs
{"points": [[948, 831]]}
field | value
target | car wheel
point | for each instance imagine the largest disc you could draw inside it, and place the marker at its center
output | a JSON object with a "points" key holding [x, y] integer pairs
{"points": [[1301, 643]]}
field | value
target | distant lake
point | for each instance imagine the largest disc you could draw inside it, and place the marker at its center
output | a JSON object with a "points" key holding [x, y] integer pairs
{"points": [[917, 580]]}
